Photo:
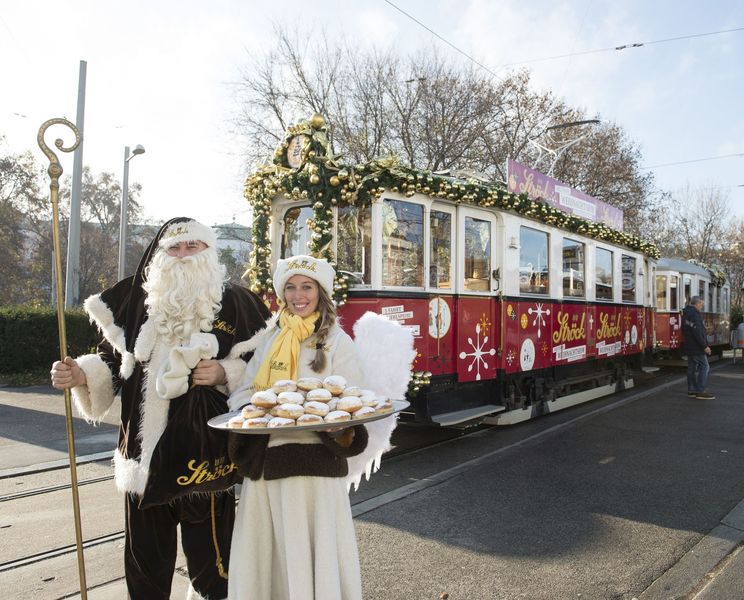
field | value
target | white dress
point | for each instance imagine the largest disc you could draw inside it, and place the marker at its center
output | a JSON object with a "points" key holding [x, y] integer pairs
{"points": [[294, 539]]}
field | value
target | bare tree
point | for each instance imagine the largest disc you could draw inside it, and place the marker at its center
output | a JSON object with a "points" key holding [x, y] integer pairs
{"points": [[432, 113]]}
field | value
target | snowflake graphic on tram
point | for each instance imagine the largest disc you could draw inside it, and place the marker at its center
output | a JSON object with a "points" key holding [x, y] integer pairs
{"points": [[517, 308]]}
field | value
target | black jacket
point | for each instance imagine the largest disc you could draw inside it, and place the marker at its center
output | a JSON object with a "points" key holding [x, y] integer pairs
{"points": [[693, 331]]}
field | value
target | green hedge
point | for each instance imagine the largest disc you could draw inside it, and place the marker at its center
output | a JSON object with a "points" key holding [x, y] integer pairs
{"points": [[29, 337]]}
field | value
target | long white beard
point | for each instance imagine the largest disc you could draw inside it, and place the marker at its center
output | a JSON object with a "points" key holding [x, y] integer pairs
{"points": [[183, 294]]}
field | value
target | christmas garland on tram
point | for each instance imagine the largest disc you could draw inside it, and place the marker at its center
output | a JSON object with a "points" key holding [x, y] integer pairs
{"points": [[497, 338]]}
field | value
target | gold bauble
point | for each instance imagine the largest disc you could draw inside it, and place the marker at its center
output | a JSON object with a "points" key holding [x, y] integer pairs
{"points": [[314, 179], [334, 181], [343, 174], [317, 121]]}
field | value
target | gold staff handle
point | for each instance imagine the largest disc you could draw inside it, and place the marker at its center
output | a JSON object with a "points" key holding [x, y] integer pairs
{"points": [[55, 171]]}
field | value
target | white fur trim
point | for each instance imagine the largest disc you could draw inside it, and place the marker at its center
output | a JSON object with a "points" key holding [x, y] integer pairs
{"points": [[102, 316], [192, 594], [188, 231], [255, 340], [315, 268], [131, 474], [385, 350], [145, 341], [234, 369], [94, 399]]}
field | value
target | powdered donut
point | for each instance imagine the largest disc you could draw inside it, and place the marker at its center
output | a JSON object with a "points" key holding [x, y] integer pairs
{"points": [[337, 416], [235, 422], [264, 399], [316, 408], [284, 385], [290, 398], [319, 395], [349, 403], [281, 422], [309, 383], [334, 383], [364, 412], [289, 410], [249, 411], [383, 404], [352, 390], [309, 419], [255, 423], [332, 404]]}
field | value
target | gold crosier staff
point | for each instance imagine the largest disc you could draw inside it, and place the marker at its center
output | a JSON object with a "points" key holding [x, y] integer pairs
{"points": [[55, 171]]}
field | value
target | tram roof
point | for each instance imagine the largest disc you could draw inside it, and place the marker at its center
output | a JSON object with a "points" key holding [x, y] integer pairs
{"points": [[693, 268]]}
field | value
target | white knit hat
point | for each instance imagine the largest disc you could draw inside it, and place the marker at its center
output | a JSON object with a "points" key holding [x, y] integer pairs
{"points": [[188, 231], [315, 268]]}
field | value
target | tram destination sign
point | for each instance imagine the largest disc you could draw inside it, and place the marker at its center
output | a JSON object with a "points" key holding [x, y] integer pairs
{"points": [[538, 186]]}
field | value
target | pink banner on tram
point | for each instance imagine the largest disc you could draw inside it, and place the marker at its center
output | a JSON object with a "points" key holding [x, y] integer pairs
{"points": [[538, 186]]}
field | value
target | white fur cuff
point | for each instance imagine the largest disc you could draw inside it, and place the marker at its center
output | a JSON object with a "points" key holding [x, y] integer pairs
{"points": [[94, 399], [234, 369]]}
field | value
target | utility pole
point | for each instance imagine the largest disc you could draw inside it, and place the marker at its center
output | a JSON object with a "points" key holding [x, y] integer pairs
{"points": [[72, 276]]}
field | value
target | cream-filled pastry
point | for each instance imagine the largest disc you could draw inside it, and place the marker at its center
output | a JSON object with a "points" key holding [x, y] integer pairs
{"points": [[335, 384], [289, 410], [319, 395], [316, 408], [250, 411], [284, 385], [290, 398], [264, 399], [309, 383], [235, 422], [337, 416], [281, 422], [256, 423], [364, 412], [349, 403], [309, 419]]}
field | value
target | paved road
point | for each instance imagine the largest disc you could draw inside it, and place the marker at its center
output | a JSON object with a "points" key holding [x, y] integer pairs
{"points": [[637, 496]]}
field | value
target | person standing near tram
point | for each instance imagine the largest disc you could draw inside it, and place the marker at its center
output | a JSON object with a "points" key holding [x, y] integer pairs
{"points": [[177, 295], [695, 347]]}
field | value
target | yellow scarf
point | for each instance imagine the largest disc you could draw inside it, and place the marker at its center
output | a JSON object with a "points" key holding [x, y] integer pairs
{"points": [[282, 360]]}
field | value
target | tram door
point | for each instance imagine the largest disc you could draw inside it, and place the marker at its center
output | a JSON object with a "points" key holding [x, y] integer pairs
{"points": [[478, 320]]}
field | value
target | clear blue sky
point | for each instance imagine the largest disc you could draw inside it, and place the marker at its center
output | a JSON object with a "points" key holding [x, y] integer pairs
{"points": [[159, 73]]}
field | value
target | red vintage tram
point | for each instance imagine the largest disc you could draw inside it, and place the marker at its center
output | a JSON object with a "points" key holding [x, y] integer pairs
{"points": [[517, 308], [677, 281]]}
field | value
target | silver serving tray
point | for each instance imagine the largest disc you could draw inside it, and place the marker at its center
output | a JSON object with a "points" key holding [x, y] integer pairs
{"points": [[220, 422]]}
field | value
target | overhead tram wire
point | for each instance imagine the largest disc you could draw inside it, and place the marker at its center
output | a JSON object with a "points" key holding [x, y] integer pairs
{"points": [[621, 47], [694, 160]]}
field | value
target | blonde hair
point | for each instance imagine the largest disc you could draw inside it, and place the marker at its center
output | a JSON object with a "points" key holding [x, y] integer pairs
{"points": [[327, 319]]}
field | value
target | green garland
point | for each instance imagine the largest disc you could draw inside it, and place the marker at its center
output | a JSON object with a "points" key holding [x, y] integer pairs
{"points": [[326, 183], [717, 275]]}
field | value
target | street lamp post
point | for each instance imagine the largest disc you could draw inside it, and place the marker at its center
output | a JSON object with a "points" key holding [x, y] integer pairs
{"points": [[138, 149], [557, 146]]}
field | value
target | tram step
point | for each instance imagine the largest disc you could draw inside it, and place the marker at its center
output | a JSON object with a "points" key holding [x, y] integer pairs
{"points": [[469, 414], [650, 369]]}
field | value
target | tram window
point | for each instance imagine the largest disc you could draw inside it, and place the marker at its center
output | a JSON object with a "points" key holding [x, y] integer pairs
{"points": [[603, 274], [441, 250], [353, 243], [687, 288], [724, 301], [629, 278], [402, 244], [573, 268], [477, 271], [296, 235], [661, 290], [673, 292], [709, 306], [701, 290], [533, 261]]}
